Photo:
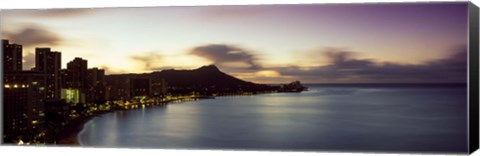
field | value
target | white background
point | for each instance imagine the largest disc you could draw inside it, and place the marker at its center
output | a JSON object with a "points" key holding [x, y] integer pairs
{"points": [[74, 151]]}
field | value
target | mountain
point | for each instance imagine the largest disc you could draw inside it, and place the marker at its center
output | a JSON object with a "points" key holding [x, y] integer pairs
{"points": [[204, 76], [205, 80]]}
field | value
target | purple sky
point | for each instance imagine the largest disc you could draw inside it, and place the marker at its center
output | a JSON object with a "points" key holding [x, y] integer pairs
{"points": [[320, 43]]}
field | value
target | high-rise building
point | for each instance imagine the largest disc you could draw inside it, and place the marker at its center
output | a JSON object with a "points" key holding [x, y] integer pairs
{"points": [[117, 88], [23, 107], [49, 62], [12, 56], [159, 88], [76, 73], [140, 87], [74, 81], [95, 76], [24, 95], [96, 85], [63, 78]]}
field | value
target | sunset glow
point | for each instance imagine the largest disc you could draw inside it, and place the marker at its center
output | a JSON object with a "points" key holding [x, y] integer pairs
{"points": [[259, 41]]}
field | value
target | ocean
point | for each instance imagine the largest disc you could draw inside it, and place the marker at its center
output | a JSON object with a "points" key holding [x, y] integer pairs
{"points": [[380, 118]]}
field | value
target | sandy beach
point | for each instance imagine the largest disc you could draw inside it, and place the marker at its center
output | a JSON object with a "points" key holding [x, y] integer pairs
{"points": [[69, 135]]}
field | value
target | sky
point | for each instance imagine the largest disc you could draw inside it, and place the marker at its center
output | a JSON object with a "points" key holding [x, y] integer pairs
{"points": [[318, 43]]}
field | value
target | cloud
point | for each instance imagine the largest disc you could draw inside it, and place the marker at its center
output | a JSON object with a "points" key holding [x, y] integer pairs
{"points": [[267, 73], [345, 59], [344, 67], [227, 56], [109, 70], [29, 61], [48, 13], [33, 35], [63, 12], [149, 60]]}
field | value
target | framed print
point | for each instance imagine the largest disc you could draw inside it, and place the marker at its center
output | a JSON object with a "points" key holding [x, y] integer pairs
{"points": [[359, 77]]}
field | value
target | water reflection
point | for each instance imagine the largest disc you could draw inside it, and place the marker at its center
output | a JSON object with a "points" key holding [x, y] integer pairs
{"points": [[389, 119]]}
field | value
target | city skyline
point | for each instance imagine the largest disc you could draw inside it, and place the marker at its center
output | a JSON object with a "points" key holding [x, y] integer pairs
{"points": [[264, 44]]}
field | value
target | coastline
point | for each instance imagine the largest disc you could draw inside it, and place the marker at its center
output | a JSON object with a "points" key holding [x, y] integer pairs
{"points": [[68, 137]]}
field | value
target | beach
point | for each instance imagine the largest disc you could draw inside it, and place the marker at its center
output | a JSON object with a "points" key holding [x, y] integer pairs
{"points": [[69, 135]]}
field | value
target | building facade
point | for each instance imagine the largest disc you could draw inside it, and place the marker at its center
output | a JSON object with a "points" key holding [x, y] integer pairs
{"points": [[140, 87], [12, 56], [74, 81], [159, 88], [96, 86], [23, 107], [49, 62]]}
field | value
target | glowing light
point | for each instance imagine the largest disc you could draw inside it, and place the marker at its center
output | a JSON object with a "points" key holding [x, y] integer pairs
{"points": [[7, 86], [267, 73], [20, 142], [71, 95], [15, 86]]}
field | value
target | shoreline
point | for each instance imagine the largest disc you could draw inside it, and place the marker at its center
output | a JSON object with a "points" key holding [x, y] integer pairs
{"points": [[68, 137]]}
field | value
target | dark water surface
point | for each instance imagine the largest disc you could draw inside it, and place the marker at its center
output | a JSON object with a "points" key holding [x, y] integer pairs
{"points": [[333, 118]]}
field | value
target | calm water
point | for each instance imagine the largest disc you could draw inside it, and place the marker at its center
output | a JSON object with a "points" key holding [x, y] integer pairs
{"points": [[347, 118]]}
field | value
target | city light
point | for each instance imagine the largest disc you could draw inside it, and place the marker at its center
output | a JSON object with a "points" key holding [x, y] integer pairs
{"points": [[71, 95], [20, 142], [77, 100]]}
